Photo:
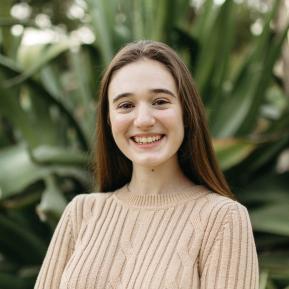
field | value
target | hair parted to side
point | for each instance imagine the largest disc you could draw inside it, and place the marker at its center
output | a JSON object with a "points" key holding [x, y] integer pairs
{"points": [[196, 154]]}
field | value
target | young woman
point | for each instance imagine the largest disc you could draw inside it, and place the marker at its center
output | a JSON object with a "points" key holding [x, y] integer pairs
{"points": [[165, 216]]}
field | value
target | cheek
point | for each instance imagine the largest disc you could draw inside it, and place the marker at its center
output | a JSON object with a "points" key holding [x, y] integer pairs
{"points": [[119, 124], [173, 120]]}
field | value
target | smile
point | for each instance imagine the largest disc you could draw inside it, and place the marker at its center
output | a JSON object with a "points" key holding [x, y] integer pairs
{"points": [[147, 140]]}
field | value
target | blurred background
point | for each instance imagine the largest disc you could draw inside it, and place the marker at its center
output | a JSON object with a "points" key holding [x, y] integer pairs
{"points": [[52, 54]]}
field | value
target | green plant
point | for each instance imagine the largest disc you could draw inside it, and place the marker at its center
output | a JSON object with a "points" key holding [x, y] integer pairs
{"points": [[47, 116]]}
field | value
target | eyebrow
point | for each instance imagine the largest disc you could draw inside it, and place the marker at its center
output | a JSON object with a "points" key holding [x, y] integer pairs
{"points": [[154, 90]]}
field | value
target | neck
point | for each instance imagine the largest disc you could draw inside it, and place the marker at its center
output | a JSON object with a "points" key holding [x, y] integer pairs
{"points": [[162, 179]]}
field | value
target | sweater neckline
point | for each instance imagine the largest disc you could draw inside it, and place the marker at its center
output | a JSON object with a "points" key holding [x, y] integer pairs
{"points": [[151, 201]]}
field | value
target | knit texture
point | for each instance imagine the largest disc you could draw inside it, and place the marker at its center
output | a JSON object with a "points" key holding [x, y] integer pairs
{"points": [[193, 239]]}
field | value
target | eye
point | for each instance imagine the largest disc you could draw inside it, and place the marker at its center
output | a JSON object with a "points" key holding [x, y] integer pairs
{"points": [[125, 105], [160, 101]]}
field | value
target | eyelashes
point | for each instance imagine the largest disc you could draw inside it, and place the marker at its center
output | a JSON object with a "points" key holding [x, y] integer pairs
{"points": [[160, 102], [125, 105], [129, 105]]}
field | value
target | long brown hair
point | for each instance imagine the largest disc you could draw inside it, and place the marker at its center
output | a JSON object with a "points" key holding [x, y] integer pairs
{"points": [[196, 154]]}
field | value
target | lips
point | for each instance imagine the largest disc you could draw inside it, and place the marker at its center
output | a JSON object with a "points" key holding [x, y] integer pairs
{"points": [[147, 139]]}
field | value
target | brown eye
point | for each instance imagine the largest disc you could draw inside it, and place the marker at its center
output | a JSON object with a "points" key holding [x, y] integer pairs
{"points": [[125, 105], [160, 102]]}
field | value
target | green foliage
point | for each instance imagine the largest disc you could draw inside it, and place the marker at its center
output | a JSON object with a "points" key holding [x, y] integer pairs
{"points": [[47, 117]]}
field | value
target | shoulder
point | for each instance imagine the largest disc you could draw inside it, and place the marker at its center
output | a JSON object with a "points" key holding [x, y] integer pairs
{"points": [[90, 198], [218, 213], [84, 206], [215, 210], [226, 206], [85, 203]]}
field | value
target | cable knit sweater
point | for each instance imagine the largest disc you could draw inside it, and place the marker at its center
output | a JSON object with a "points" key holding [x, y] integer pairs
{"points": [[193, 239]]}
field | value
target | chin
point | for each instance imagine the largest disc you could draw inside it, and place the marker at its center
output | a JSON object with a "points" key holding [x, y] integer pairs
{"points": [[150, 162]]}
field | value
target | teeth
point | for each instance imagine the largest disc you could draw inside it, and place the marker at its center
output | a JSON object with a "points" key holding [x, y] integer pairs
{"points": [[142, 140]]}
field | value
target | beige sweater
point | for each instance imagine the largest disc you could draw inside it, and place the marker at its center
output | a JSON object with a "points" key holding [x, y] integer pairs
{"points": [[193, 239]]}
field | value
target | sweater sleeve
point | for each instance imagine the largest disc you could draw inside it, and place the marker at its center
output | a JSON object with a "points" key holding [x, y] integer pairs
{"points": [[59, 251], [231, 258]]}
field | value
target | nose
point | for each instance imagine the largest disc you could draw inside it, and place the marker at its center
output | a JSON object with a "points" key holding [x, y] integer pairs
{"points": [[144, 117]]}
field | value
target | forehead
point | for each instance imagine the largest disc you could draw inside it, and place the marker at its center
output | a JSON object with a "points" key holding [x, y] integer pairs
{"points": [[140, 76]]}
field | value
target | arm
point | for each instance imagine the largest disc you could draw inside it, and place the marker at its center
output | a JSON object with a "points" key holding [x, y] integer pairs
{"points": [[230, 258], [59, 251]]}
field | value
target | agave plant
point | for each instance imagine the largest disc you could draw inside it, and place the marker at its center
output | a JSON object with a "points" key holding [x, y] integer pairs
{"points": [[47, 119]]}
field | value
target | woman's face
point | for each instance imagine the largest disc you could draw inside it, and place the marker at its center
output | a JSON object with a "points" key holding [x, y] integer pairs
{"points": [[145, 113]]}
